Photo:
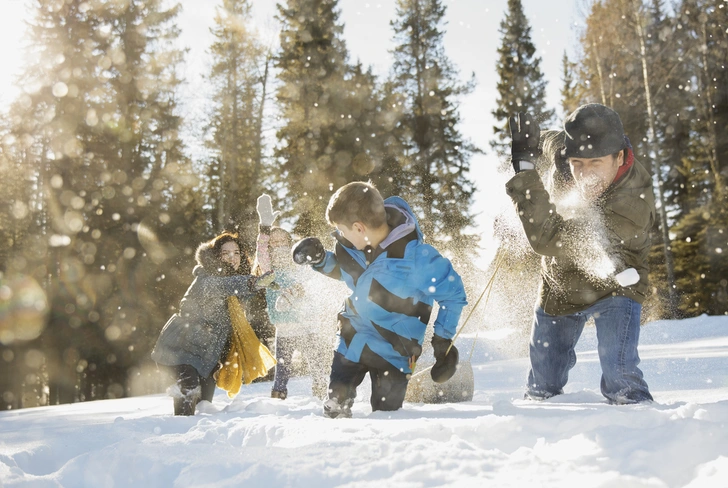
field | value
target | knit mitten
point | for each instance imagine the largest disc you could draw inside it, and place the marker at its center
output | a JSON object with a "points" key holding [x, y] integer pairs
{"points": [[266, 215]]}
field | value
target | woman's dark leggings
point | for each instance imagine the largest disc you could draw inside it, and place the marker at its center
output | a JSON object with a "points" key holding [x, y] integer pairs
{"points": [[188, 379], [190, 382]]}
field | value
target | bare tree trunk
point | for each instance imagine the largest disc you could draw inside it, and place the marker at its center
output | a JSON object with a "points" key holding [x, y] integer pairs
{"points": [[423, 156], [259, 121], [599, 73], [221, 218], [652, 151], [709, 117]]}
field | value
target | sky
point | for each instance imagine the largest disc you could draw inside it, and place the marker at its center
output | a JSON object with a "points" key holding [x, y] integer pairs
{"points": [[497, 439], [471, 42]]}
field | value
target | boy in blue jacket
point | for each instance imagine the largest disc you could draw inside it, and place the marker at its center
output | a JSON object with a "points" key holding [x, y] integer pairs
{"points": [[395, 278]]}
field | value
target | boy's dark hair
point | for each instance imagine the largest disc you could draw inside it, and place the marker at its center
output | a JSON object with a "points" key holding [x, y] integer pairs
{"points": [[356, 202]]}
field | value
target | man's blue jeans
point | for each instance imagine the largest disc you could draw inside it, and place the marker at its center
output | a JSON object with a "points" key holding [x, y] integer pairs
{"points": [[553, 339]]}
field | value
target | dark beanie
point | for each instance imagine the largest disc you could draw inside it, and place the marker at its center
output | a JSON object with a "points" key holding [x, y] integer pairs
{"points": [[593, 131]]}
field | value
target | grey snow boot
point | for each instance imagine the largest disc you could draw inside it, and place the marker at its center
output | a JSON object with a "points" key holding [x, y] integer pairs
{"points": [[335, 410]]}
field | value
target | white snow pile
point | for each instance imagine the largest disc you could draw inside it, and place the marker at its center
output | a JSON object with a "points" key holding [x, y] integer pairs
{"points": [[498, 439]]}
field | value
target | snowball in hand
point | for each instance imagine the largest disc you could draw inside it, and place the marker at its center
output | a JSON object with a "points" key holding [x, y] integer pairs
{"points": [[628, 277]]}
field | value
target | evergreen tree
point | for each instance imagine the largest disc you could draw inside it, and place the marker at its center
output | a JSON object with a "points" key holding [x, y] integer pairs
{"points": [[702, 223], [521, 87], [16, 199], [569, 89], [238, 77], [98, 131], [366, 136], [675, 119], [521, 84], [151, 179], [49, 128], [672, 120], [610, 71], [626, 72], [393, 176], [698, 235], [436, 154], [315, 150], [23, 315], [706, 21]]}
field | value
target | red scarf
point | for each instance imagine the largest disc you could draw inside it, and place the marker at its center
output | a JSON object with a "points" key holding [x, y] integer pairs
{"points": [[625, 167]]}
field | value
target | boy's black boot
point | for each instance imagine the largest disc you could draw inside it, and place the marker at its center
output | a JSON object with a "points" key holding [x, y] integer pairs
{"points": [[335, 410]]}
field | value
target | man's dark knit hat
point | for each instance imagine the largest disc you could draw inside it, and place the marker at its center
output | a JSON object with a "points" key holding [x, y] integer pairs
{"points": [[593, 131]]}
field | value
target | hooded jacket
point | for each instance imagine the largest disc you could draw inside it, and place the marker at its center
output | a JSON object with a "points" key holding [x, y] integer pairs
{"points": [[289, 307], [618, 227], [394, 286], [197, 335]]}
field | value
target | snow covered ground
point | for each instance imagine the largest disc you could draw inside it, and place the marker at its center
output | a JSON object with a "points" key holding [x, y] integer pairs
{"points": [[497, 440]]}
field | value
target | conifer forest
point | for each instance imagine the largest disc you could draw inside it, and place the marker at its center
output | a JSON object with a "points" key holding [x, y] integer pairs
{"points": [[104, 203]]}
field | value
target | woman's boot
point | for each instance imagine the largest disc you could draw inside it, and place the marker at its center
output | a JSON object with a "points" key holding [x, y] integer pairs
{"points": [[185, 402]]}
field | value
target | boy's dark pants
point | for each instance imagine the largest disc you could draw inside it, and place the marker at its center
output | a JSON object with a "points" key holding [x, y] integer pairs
{"points": [[389, 385]]}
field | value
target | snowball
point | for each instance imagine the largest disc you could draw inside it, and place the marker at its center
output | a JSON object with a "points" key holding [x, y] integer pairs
{"points": [[628, 277]]}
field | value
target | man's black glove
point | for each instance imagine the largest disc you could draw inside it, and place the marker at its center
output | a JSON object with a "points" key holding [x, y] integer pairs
{"points": [[308, 251], [524, 141], [445, 362]]}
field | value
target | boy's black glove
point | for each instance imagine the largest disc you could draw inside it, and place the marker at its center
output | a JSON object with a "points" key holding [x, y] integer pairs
{"points": [[445, 362], [308, 251], [525, 134]]}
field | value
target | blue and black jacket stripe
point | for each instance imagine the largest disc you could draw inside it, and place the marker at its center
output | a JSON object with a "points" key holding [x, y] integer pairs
{"points": [[393, 289]]}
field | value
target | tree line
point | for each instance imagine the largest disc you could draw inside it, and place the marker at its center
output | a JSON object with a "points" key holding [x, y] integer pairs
{"points": [[663, 69], [104, 202]]}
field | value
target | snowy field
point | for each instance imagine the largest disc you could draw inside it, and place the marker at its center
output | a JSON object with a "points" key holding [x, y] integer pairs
{"points": [[496, 440]]}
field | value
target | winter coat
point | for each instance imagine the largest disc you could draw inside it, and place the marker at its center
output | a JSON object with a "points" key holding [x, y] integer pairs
{"points": [[289, 306], [393, 287], [256, 311], [583, 250], [198, 334]]}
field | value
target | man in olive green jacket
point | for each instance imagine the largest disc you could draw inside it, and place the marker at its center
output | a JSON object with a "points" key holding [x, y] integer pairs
{"points": [[592, 231]]}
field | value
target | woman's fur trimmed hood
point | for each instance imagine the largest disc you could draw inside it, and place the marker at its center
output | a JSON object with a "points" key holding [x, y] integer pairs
{"points": [[205, 257], [210, 261]]}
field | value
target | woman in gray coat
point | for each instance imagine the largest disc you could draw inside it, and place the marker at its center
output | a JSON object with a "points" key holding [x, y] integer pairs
{"points": [[195, 340]]}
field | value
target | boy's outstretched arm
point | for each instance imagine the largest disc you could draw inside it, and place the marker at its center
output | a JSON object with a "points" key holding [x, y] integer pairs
{"points": [[311, 252], [442, 283]]}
